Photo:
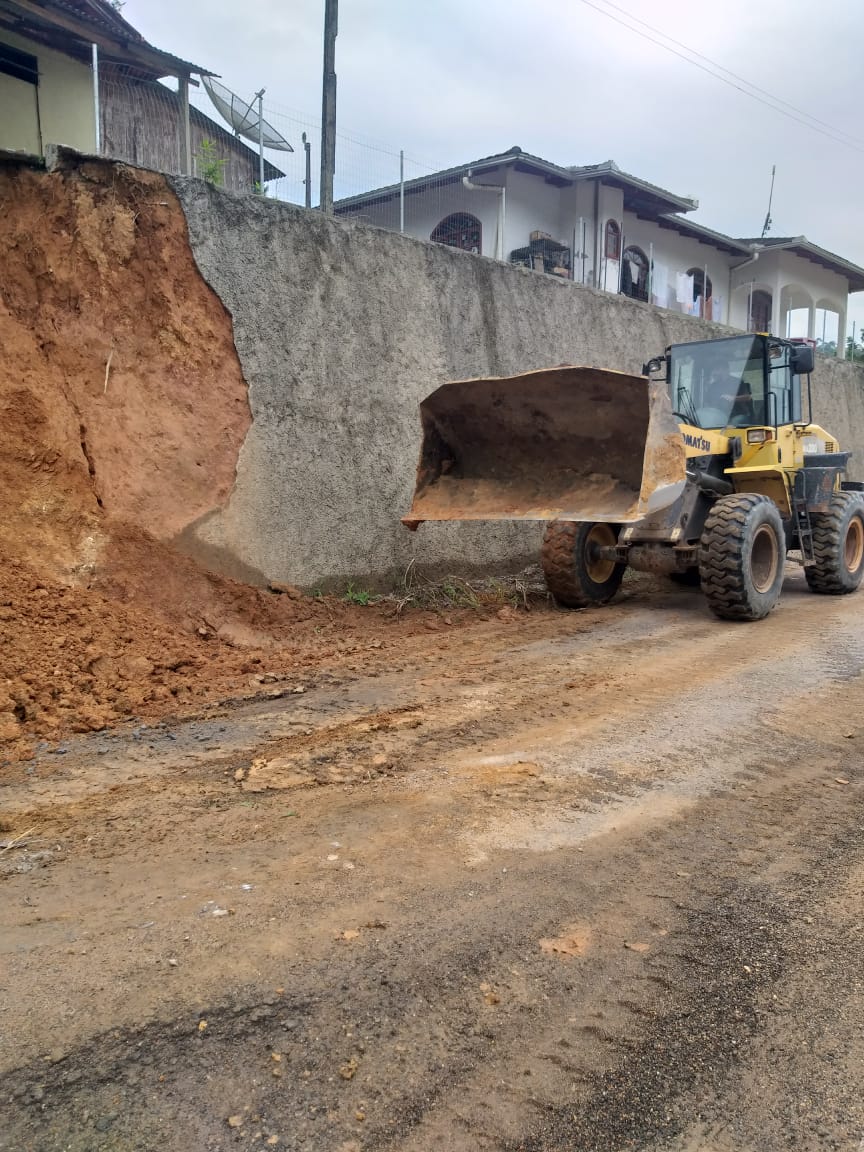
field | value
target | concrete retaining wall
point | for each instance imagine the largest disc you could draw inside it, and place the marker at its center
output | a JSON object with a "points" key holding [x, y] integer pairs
{"points": [[341, 330]]}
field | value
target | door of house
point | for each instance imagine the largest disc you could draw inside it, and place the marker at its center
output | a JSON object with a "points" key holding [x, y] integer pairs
{"points": [[19, 99], [761, 307]]}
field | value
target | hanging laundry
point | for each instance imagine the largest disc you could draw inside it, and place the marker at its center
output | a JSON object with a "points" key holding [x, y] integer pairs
{"points": [[660, 284], [635, 271], [684, 289]]}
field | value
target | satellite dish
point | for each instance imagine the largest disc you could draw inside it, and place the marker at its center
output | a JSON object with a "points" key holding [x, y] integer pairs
{"points": [[244, 118]]}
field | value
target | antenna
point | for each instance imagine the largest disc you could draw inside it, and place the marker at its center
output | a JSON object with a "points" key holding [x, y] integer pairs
{"points": [[767, 225], [246, 120]]}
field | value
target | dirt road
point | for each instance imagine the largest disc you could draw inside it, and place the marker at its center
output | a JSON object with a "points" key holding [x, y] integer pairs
{"points": [[557, 881]]}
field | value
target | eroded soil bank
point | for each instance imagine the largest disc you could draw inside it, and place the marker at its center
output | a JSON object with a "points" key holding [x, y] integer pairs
{"points": [[123, 410]]}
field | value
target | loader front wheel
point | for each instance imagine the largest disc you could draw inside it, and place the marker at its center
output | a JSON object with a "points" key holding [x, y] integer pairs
{"points": [[838, 546], [576, 573], [742, 556]]}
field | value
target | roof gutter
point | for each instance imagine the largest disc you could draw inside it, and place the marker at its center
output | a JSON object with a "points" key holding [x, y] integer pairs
{"points": [[750, 260]]}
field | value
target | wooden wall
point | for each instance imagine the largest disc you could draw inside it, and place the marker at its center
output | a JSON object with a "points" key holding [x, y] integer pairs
{"points": [[141, 124]]}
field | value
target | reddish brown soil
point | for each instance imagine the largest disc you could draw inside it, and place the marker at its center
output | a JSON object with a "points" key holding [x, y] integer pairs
{"points": [[123, 408], [120, 386], [79, 659]]}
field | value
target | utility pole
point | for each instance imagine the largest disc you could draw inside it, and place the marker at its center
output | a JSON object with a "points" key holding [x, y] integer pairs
{"points": [[328, 106], [307, 148]]}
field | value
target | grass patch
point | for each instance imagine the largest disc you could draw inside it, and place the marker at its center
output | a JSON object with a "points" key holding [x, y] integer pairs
{"points": [[486, 593]]}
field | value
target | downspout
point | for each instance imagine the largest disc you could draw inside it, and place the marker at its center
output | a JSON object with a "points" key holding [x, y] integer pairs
{"points": [[97, 112], [743, 264], [596, 233], [501, 192]]}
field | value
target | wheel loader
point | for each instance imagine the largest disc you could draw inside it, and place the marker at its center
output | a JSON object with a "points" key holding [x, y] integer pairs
{"points": [[707, 468]]}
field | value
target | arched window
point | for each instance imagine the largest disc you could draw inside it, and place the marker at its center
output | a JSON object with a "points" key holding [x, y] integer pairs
{"points": [[634, 273], [699, 292], [761, 307], [613, 240], [460, 230]]}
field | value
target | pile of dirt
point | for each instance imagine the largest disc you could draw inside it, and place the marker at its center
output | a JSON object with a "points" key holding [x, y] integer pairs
{"points": [[123, 409], [76, 659]]}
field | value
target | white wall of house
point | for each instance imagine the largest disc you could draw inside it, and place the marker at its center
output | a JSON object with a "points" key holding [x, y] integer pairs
{"points": [[532, 205], [675, 254], [796, 285], [577, 225], [65, 110], [425, 210]]}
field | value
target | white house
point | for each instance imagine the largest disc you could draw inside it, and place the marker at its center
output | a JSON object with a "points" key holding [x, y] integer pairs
{"points": [[600, 226]]}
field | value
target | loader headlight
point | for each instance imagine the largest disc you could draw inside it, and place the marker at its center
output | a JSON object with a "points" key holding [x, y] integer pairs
{"points": [[759, 435]]}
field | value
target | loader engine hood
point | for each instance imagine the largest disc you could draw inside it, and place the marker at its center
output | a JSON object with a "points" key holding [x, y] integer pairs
{"points": [[564, 443]]}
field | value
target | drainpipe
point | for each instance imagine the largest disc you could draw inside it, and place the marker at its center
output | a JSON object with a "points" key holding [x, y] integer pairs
{"points": [[97, 113], [501, 192], [596, 233], [734, 268]]}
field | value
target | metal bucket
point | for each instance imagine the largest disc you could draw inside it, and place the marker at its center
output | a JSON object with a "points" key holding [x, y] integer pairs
{"points": [[556, 444]]}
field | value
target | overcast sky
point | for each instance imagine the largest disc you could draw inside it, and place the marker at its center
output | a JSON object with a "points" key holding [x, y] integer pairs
{"points": [[454, 80]]}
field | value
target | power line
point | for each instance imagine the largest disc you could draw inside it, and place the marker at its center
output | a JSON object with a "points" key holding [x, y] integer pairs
{"points": [[773, 102], [734, 75]]}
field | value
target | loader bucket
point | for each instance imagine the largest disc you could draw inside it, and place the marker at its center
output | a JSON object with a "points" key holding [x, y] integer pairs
{"points": [[557, 444]]}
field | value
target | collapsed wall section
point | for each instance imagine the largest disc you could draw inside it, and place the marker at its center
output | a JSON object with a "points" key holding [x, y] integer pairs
{"points": [[121, 395]]}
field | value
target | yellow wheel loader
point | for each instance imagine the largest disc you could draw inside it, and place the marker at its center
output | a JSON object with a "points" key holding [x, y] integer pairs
{"points": [[705, 468]]}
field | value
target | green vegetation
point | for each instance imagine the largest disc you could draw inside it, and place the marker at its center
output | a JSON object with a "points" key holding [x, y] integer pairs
{"points": [[357, 595], [210, 166]]}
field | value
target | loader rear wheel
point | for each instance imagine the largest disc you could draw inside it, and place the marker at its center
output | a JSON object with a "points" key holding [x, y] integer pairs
{"points": [[576, 575], [741, 557], [838, 546]]}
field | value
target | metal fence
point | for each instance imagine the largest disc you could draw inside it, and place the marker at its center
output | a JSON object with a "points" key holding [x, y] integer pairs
{"points": [[142, 123]]}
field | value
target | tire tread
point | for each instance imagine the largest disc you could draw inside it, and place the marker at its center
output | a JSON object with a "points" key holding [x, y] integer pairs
{"points": [[721, 555], [558, 559], [828, 575]]}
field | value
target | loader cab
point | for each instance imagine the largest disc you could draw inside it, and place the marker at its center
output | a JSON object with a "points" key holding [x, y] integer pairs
{"points": [[737, 382]]}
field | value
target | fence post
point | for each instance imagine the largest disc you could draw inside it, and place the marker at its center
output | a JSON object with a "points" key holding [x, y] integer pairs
{"points": [[185, 126], [401, 190]]}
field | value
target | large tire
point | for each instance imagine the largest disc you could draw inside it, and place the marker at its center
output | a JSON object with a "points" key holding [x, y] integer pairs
{"points": [[575, 577], [742, 557], [838, 546]]}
